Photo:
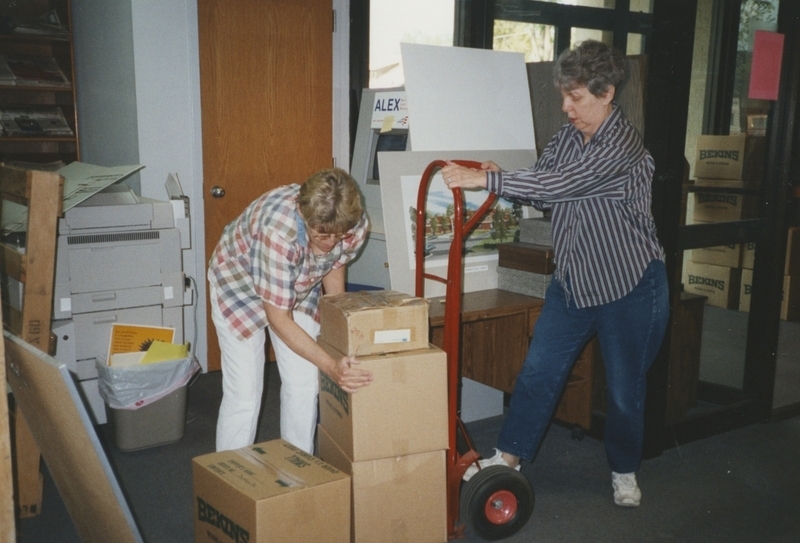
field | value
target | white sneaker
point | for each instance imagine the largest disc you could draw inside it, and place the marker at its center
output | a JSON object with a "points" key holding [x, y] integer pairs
{"points": [[626, 491], [496, 460]]}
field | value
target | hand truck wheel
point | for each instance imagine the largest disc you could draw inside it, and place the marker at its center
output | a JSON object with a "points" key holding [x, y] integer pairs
{"points": [[496, 502]]}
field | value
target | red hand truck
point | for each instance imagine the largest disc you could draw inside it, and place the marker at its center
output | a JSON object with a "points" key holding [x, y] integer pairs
{"points": [[497, 501]]}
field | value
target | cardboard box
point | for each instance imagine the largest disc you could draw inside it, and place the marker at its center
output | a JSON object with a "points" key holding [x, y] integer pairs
{"points": [[748, 254], [372, 322], [792, 266], [790, 302], [729, 256], [745, 290], [402, 499], [403, 411], [719, 284], [720, 157], [269, 493], [790, 306], [721, 206]]}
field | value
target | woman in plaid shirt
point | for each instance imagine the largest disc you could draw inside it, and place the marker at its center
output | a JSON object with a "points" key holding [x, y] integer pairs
{"points": [[267, 273]]}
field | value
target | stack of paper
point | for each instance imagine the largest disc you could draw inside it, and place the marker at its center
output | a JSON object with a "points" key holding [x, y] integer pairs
{"points": [[133, 344]]}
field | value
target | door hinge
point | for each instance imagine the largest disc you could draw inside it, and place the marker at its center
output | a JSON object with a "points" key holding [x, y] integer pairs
{"points": [[334, 22]]}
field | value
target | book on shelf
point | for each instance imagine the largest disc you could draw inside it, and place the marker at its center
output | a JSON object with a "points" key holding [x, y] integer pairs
{"points": [[34, 121], [31, 70], [46, 25]]}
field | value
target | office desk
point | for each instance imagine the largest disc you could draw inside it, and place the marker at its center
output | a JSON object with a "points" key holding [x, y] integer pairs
{"points": [[496, 328]]}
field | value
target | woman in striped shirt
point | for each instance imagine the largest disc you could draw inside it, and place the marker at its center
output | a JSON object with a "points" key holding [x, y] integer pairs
{"points": [[595, 177]]}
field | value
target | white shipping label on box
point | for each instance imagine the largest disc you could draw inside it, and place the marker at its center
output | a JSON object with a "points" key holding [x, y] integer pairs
{"points": [[392, 336]]}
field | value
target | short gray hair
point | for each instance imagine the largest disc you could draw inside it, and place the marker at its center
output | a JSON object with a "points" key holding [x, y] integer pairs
{"points": [[592, 64]]}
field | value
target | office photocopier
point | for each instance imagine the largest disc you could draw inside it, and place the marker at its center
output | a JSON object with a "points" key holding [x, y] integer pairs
{"points": [[118, 260]]}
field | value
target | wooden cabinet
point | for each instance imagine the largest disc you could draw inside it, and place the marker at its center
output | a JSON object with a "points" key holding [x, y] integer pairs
{"points": [[31, 93], [684, 356], [496, 328]]}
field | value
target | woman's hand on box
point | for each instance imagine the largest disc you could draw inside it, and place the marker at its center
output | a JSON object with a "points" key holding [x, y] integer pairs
{"points": [[348, 376]]}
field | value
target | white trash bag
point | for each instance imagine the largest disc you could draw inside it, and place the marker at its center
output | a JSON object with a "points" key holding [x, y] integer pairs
{"points": [[132, 387]]}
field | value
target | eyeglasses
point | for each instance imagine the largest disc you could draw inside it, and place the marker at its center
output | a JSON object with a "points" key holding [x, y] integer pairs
{"points": [[328, 237]]}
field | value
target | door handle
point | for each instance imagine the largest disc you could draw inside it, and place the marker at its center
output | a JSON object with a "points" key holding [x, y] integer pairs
{"points": [[217, 192]]}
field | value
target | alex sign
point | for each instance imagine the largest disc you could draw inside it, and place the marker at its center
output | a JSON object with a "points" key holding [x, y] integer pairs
{"points": [[390, 111]]}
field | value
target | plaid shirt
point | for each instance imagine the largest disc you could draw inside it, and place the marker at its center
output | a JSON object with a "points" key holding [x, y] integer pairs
{"points": [[263, 257]]}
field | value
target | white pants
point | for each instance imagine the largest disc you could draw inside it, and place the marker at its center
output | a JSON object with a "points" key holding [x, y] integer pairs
{"points": [[243, 383]]}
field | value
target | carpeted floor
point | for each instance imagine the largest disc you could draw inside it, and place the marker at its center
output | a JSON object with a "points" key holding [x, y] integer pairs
{"points": [[741, 486]]}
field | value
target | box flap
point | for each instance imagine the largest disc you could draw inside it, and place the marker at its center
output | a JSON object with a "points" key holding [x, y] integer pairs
{"points": [[269, 469], [351, 302]]}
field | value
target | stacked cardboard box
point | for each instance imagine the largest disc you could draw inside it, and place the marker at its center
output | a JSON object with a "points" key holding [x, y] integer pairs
{"points": [[790, 303], [722, 162], [526, 266], [269, 493], [390, 436]]}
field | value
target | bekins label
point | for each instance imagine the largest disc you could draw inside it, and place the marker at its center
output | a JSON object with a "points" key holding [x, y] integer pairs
{"points": [[327, 385], [706, 198], [718, 284], [208, 514], [717, 153]]}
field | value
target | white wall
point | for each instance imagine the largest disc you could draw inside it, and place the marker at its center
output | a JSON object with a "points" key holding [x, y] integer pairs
{"points": [[139, 103], [166, 63], [105, 83], [138, 86]]}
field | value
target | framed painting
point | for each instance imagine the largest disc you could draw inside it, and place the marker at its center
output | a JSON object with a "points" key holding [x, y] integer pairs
{"points": [[401, 173]]}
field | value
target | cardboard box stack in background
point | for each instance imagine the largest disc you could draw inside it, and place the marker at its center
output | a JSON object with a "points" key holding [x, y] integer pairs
{"points": [[790, 303], [390, 436], [269, 493], [722, 162]]}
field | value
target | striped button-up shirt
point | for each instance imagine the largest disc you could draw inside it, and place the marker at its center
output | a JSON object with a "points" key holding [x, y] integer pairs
{"points": [[263, 257], [604, 235]]}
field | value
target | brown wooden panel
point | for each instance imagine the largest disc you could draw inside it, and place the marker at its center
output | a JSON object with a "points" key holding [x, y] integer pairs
{"points": [[7, 526], [496, 329], [493, 350], [684, 356], [266, 100], [526, 257], [61, 427]]}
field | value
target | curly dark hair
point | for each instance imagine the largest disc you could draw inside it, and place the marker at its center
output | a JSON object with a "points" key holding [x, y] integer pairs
{"points": [[592, 64]]}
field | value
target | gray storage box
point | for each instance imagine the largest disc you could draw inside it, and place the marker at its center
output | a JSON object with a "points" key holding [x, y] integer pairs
{"points": [[158, 423]]}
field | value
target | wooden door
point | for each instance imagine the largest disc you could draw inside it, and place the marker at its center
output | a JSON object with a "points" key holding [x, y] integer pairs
{"points": [[266, 102]]}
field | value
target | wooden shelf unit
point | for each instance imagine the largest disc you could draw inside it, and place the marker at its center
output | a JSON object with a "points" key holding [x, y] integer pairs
{"points": [[40, 148]]}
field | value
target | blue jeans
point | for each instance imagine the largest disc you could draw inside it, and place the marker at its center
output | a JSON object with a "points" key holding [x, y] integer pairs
{"points": [[630, 331]]}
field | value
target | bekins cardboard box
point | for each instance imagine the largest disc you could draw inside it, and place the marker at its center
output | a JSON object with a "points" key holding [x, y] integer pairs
{"points": [[720, 157], [748, 254], [792, 266], [719, 284], [269, 493], [722, 255], [717, 206], [792, 263], [372, 322], [790, 302], [403, 411], [402, 499]]}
